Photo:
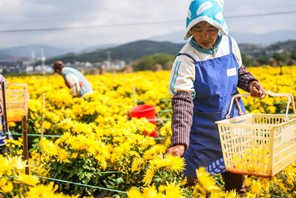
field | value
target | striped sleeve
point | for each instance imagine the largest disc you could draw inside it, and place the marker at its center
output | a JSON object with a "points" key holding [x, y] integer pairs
{"points": [[182, 75], [244, 78], [182, 87], [182, 118]]}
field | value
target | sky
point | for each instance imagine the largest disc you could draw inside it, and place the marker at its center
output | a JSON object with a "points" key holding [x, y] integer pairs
{"points": [[85, 23]]}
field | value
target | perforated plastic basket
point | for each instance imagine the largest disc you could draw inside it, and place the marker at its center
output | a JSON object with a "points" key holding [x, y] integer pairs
{"points": [[259, 144], [17, 97]]}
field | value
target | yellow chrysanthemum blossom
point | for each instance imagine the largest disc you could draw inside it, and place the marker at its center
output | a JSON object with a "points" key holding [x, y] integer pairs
{"points": [[27, 179], [148, 176], [7, 188], [134, 192], [206, 181], [3, 181], [137, 164]]}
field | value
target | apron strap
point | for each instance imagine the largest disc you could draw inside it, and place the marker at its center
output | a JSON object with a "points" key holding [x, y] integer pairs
{"points": [[181, 54], [230, 44]]}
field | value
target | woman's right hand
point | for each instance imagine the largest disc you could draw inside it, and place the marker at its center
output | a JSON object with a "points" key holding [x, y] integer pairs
{"points": [[177, 150]]}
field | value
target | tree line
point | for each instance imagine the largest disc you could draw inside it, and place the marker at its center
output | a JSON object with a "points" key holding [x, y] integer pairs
{"points": [[276, 59], [163, 61]]}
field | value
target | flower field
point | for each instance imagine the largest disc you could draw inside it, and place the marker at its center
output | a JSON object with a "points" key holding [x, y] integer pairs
{"points": [[92, 148]]}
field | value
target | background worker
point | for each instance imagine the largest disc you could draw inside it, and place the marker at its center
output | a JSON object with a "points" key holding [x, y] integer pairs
{"points": [[3, 136], [204, 78], [74, 79]]}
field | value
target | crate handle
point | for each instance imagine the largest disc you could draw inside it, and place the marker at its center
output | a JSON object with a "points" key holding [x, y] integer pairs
{"points": [[289, 96]]}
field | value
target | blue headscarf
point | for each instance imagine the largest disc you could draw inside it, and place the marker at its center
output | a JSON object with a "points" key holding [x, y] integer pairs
{"points": [[206, 10]]}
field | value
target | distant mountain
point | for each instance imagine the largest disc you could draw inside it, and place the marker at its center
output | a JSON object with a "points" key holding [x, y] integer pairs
{"points": [[20, 53], [169, 43], [137, 49], [241, 38], [31, 51], [132, 51], [96, 48], [128, 52]]}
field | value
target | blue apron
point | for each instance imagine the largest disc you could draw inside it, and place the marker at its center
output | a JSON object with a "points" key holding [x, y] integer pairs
{"points": [[215, 85]]}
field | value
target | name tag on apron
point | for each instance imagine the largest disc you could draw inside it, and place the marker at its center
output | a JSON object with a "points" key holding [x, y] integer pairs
{"points": [[231, 72]]}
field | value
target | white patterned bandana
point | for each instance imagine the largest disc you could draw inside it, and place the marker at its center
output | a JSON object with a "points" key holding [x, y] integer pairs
{"points": [[206, 10]]}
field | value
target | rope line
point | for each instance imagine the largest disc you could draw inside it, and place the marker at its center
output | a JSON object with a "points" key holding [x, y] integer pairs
{"points": [[33, 135], [84, 185], [131, 24], [38, 135]]}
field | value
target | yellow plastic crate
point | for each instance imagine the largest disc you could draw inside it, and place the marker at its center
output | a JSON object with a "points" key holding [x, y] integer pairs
{"points": [[17, 99], [259, 144]]}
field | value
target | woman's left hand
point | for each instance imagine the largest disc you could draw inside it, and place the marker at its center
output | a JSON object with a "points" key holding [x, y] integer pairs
{"points": [[256, 90]]}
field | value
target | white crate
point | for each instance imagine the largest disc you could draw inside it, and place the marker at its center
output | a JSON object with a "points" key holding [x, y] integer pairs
{"points": [[17, 98], [259, 144]]}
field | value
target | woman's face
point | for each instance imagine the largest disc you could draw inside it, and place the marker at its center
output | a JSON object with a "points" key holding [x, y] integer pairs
{"points": [[204, 34]]}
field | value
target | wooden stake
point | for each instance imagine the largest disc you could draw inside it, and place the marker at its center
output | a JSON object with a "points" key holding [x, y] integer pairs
{"points": [[135, 96], [42, 116], [25, 142]]}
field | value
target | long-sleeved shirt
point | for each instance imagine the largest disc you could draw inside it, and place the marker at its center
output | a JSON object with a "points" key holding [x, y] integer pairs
{"points": [[75, 80]]}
